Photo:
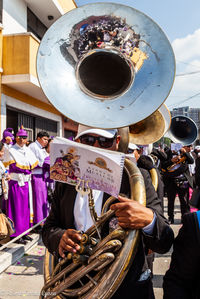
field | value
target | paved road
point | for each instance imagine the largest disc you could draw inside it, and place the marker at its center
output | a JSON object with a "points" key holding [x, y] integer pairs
{"points": [[162, 262], [25, 277]]}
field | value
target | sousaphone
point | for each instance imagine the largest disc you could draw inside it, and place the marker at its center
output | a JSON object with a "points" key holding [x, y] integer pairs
{"points": [[104, 65], [152, 128], [182, 130], [146, 131]]}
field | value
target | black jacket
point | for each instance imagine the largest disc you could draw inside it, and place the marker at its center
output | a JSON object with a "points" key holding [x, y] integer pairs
{"points": [[197, 172], [183, 169], [182, 280], [61, 218]]}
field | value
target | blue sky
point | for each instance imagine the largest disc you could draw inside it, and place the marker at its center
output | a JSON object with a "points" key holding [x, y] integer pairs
{"points": [[180, 20]]}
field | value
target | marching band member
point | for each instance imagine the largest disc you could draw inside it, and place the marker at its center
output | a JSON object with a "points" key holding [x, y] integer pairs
{"points": [[21, 161], [67, 217], [181, 281], [40, 203], [177, 181]]}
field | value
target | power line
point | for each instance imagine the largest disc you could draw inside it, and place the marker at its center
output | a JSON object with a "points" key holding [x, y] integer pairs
{"points": [[185, 74], [187, 63], [187, 99], [189, 73]]}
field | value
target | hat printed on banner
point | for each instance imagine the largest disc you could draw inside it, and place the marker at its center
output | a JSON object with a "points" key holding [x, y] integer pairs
{"points": [[22, 132], [83, 130]]}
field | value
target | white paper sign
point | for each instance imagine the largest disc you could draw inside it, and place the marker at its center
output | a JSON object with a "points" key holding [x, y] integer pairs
{"points": [[176, 146], [76, 163]]}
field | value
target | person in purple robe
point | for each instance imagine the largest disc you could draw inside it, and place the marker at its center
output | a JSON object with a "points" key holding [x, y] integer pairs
{"points": [[46, 172], [39, 186], [7, 140], [20, 160], [8, 137]]}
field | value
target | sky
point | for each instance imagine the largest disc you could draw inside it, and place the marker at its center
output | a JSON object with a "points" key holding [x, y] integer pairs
{"points": [[180, 21]]}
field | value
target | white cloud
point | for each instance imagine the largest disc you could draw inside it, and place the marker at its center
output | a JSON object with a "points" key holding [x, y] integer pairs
{"points": [[188, 60], [187, 48]]}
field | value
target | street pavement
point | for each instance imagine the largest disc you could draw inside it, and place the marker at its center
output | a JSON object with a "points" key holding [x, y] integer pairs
{"points": [[162, 261], [24, 278]]}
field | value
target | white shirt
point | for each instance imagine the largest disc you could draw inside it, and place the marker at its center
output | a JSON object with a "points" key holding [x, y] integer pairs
{"points": [[39, 152], [192, 166], [82, 217], [22, 156]]}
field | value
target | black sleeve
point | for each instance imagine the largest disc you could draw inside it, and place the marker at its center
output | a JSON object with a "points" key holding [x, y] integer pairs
{"points": [[189, 158], [183, 276], [57, 222], [162, 156], [197, 172], [165, 164], [162, 238]]}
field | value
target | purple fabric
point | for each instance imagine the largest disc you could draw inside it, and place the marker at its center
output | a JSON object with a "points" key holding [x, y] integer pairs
{"points": [[18, 206], [4, 141], [14, 168], [40, 203], [47, 162], [22, 132], [46, 170], [7, 133]]}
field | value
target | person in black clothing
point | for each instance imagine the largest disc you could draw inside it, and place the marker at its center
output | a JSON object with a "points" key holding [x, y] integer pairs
{"points": [[177, 180], [60, 229], [148, 163], [182, 279]]}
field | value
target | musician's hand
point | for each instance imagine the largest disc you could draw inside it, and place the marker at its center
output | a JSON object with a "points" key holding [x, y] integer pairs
{"points": [[69, 242], [183, 150], [131, 214], [175, 159]]}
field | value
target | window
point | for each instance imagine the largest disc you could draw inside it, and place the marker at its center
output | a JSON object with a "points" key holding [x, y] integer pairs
{"points": [[32, 123], [34, 25]]}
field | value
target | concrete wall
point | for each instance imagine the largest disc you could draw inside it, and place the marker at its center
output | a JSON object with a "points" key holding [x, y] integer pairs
{"points": [[14, 16]]}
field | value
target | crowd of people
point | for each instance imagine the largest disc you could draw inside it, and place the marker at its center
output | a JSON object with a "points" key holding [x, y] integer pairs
{"points": [[25, 180], [24, 191], [61, 232], [179, 176]]}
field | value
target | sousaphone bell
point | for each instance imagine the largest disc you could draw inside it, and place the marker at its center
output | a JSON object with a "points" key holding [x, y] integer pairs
{"points": [[105, 65], [182, 130]]}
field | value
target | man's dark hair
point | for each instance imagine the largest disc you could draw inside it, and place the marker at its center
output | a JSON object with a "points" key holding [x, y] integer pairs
{"points": [[42, 134], [1, 145]]}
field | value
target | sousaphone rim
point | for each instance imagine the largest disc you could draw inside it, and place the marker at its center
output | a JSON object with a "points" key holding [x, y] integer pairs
{"points": [[124, 109]]}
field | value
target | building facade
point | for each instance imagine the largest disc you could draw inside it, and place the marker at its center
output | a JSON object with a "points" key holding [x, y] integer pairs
{"points": [[23, 24], [193, 113]]}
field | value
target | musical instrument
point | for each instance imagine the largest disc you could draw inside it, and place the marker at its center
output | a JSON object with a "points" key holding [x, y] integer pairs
{"points": [[107, 57], [104, 65], [152, 128], [182, 130], [119, 245]]}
